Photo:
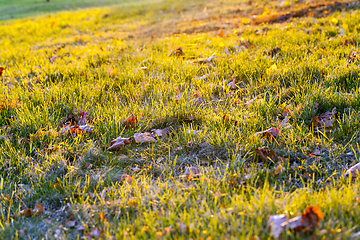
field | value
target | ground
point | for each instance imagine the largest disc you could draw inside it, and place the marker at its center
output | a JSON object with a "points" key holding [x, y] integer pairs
{"points": [[257, 103]]}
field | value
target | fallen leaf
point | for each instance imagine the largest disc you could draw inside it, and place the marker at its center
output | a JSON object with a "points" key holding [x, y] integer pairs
{"points": [[110, 72], [353, 57], [101, 217], [144, 138], [176, 51], [53, 58], [279, 169], [266, 154], [354, 171], [191, 172], [323, 123], [87, 128], [97, 232], [306, 222], [81, 228], [70, 223], [159, 133], [83, 116], [130, 121], [39, 209], [221, 33], [269, 133], [227, 51], [26, 212], [274, 224], [233, 85], [317, 152], [126, 178], [118, 144]]}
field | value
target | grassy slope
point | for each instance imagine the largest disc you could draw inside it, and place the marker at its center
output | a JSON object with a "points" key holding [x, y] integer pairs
{"points": [[24, 8], [236, 191]]}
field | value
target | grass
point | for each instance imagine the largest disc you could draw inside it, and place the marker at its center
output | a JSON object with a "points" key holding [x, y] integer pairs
{"points": [[25, 8], [111, 62]]}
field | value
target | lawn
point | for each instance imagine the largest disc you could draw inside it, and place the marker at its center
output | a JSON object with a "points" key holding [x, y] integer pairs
{"points": [[223, 114]]}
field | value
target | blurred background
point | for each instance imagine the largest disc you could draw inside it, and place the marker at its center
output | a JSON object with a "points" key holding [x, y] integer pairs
{"points": [[10, 9]]}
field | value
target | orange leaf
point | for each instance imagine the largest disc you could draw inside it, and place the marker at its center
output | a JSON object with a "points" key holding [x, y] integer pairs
{"points": [[131, 121], [26, 212], [101, 217], [40, 208]]}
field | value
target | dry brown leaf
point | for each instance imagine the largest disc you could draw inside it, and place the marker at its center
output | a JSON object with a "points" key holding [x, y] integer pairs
{"points": [[317, 152], [118, 144], [97, 232], [270, 133], [159, 133], [323, 123], [70, 223], [81, 228], [39, 209], [266, 154], [144, 138], [126, 178], [306, 222], [221, 33], [354, 171], [191, 172], [176, 51], [130, 121], [27, 212]]}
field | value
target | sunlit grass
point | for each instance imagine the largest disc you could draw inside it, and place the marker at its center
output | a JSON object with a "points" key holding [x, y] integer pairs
{"points": [[113, 62]]}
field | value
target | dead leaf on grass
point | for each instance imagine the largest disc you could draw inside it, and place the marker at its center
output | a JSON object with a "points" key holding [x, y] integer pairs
{"points": [[101, 217], [118, 144], [27, 212], [97, 232], [144, 138], [191, 172], [159, 133], [70, 223], [38, 208], [130, 121], [266, 154], [305, 223], [354, 171], [176, 51], [323, 123], [270, 133], [126, 178]]}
